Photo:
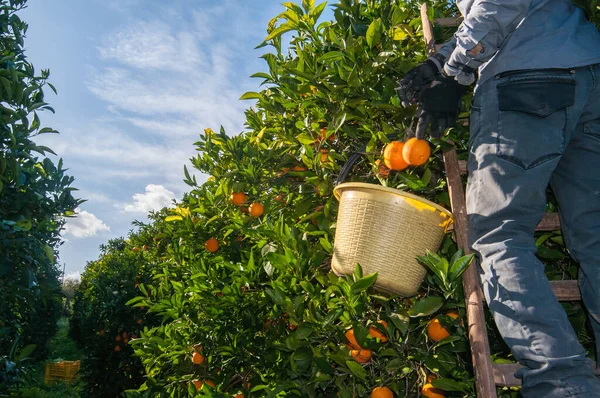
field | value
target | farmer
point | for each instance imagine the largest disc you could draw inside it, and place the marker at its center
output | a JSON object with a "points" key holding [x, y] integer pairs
{"points": [[535, 120]]}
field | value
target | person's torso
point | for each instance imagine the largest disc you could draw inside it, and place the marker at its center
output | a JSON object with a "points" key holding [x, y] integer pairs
{"points": [[553, 34]]}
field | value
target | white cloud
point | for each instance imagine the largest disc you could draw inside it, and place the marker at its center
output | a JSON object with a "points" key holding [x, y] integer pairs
{"points": [[75, 275], [153, 45], [155, 198], [84, 225]]}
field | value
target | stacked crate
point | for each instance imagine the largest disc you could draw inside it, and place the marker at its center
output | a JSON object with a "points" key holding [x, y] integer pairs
{"points": [[61, 371]]}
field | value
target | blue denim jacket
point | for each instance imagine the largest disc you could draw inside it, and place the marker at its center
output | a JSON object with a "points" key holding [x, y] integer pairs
{"points": [[522, 34]]}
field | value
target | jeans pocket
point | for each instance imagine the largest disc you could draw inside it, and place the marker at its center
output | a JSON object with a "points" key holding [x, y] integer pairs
{"points": [[533, 117]]}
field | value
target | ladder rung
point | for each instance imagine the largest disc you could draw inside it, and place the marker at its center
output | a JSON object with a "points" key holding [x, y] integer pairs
{"points": [[566, 290], [447, 22], [550, 222], [504, 374]]}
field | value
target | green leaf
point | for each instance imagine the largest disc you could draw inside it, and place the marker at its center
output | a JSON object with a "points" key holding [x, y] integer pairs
{"points": [[24, 225], [286, 27], [49, 252], [262, 75], [316, 12], [250, 95], [374, 33], [364, 283], [304, 331], [449, 385], [426, 306], [398, 33], [357, 370], [25, 352], [401, 320], [331, 56], [305, 139], [459, 266]]}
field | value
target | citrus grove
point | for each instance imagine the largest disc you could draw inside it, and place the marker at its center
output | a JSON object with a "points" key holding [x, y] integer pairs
{"points": [[232, 295], [229, 293]]}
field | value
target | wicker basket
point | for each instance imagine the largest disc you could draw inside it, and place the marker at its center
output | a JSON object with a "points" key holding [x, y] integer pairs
{"points": [[61, 371], [384, 230]]}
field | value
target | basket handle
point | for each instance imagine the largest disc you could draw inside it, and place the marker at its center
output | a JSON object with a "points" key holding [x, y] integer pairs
{"points": [[352, 159]]}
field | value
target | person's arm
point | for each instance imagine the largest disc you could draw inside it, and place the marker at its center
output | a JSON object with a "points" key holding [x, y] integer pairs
{"points": [[487, 24]]}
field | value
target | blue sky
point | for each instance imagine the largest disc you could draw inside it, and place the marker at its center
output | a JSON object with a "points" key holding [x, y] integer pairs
{"points": [[138, 80]]}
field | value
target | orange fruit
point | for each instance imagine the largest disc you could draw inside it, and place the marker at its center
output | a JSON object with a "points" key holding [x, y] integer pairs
{"points": [[375, 333], [324, 134], [383, 170], [135, 249], [352, 343], [118, 338], [144, 248], [382, 392], [436, 331], [280, 198], [197, 358], [299, 168], [416, 152], [392, 156], [101, 332], [117, 348], [256, 209], [199, 383], [431, 377], [126, 341], [238, 198], [244, 209], [211, 245], [139, 321], [324, 155], [361, 356], [238, 395], [210, 383], [430, 391]]}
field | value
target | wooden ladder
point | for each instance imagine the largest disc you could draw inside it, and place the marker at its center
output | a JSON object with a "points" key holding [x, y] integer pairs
{"points": [[487, 374]]}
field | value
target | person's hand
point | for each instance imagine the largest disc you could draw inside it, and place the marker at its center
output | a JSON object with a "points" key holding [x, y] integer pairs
{"points": [[418, 78], [439, 105]]}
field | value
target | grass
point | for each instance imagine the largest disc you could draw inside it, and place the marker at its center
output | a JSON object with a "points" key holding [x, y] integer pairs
{"points": [[61, 348]]}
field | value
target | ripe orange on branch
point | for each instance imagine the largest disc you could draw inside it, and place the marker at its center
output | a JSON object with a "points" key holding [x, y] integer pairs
{"points": [[238, 198], [352, 343], [416, 152], [197, 358], [361, 356], [323, 136], [256, 209], [211, 245], [436, 331], [430, 391], [375, 333], [381, 392], [392, 156]]}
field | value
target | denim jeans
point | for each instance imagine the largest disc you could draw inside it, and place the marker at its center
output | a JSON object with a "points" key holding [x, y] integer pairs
{"points": [[530, 129]]}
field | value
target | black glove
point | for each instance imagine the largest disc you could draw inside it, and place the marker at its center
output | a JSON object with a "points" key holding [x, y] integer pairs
{"points": [[439, 104], [418, 78]]}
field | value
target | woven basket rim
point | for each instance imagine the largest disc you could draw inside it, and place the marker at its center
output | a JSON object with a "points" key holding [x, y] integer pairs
{"points": [[349, 185]]}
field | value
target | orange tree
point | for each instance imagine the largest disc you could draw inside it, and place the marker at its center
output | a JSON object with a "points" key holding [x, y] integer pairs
{"points": [[102, 324], [35, 195], [263, 310]]}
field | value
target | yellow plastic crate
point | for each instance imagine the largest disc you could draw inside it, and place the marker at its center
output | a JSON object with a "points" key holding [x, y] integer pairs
{"points": [[61, 371]]}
